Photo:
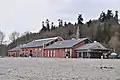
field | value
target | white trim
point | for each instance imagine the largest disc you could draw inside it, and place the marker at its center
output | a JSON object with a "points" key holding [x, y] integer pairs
{"points": [[54, 53], [70, 52], [48, 54], [51, 54]]}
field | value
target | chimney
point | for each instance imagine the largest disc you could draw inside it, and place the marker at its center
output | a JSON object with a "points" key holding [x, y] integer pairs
{"points": [[77, 33]]}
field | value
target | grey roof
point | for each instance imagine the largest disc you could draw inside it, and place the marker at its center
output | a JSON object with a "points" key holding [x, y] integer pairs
{"points": [[65, 43], [39, 42], [16, 48], [95, 45]]}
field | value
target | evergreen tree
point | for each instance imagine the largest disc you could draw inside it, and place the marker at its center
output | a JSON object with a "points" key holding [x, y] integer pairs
{"points": [[80, 19], [52, 26], [116, 16], [47, 24], [109, 15], [75, 24], [102, 17], [43, 27], [43, 24], [88, 23], [60, 22], [65, 24]]}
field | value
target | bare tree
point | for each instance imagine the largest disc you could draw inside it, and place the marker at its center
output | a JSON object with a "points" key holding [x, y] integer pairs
{"points": [[14, 35], [2, 36], [115, 42], [25, 33]]}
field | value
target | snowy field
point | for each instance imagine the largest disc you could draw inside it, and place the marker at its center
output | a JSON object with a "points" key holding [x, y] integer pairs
{"points": [[58, 69]]}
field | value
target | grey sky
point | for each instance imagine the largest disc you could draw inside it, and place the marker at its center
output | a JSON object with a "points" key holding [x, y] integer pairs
{"points": [[26, 15]]}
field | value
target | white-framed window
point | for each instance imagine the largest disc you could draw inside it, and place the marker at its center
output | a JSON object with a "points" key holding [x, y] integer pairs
{"points": [[51, 53], [39, 49], [54, 53], [48, 54], [45, 54], [66, 50], [35, 49], [70, 52]]}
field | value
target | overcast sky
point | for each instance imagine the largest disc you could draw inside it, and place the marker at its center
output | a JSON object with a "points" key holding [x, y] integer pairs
{"points": [[26, 15]]}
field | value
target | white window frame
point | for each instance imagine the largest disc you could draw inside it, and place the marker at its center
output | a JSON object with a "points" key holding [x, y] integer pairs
{"points": [[54, 53], [70, 52], [66, 50], [48, 54]]}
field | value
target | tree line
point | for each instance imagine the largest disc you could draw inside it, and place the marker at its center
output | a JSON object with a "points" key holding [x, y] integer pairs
{"points": [[47, 27], [103, 33]]}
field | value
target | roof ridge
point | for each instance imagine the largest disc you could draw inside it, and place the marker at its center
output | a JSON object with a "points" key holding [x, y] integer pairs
{"points": [[46, 39]]}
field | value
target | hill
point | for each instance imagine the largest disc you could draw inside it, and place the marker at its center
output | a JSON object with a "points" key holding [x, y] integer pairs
{"points": [[105, 30], [95, 31]]}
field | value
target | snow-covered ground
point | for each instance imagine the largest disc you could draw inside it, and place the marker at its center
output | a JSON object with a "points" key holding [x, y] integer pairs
{"points": [[58, 69]]}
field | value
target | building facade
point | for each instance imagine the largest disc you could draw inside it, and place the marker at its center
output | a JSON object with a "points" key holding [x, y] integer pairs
{"points": [[92, 50], [34, 48], [65, 48], [15, 51], [58, 48]]}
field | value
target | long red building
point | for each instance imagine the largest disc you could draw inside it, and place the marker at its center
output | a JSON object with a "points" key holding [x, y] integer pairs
{"points": [[34, 47], [56, 47]]}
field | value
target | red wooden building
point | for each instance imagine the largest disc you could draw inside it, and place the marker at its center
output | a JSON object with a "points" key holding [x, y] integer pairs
{"points": [[58, 48], [65, 48], [15, 51], [34, 47]]}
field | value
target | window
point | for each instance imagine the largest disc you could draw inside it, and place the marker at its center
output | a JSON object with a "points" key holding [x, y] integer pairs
{"points": [[35, 49], [59, 50], [39, 49], [54, 53], [70, 52], [48, 54], [65, 50], [51, 53]]}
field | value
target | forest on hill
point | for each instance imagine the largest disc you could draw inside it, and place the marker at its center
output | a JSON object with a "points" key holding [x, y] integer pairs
{"points": [[105, 29]]}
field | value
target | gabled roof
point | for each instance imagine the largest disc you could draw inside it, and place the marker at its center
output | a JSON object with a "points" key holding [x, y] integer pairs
{"points": [[39, 42], [95, 45], [65, 43], [18, 48]]}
